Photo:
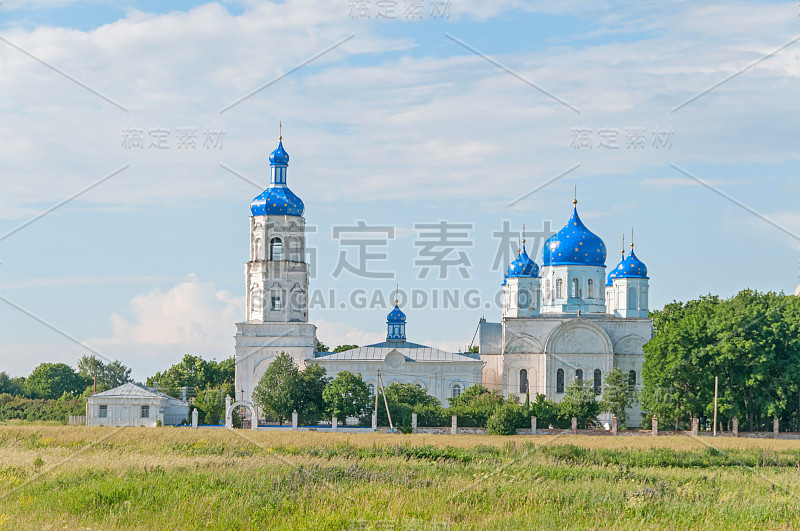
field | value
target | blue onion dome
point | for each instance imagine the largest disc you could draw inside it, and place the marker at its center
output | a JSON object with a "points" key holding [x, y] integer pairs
{"points": [[631, 267], [574, 245], [611, 276], [396, 315], [279, 156], [277, 201], [523, 266]]}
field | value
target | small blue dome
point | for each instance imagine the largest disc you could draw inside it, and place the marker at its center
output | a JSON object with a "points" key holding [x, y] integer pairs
{"points": [[279, 156], [523, 266], [611, 276], [396, 315], [574, 245], [630, 267], [277, 201]]}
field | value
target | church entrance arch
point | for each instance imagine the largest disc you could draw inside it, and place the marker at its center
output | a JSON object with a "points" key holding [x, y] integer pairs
{"points": [[229, 414]]}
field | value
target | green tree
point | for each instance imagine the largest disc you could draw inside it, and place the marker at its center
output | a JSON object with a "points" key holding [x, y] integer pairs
{"points": [[617, 395], [475, 405], [194, 373], [580, 402], [12, 386], [51, 380], [311, 405], [405, 399], [211, 404], [506, 419], [321, 347], [280, 389], [109, 375], [346, 396], [342, 348]]}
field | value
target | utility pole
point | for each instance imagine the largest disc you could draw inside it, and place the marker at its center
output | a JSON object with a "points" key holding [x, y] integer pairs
{"points": [[385, 402], [716, 388]]}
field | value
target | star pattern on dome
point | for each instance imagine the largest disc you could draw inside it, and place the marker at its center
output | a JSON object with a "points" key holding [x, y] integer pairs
{"points": [[630, 267], [522, 266], [396, 316], [574, 245]]}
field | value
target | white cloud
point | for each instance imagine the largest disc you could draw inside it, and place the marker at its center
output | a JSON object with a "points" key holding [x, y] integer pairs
{"points": [[192, 317]]}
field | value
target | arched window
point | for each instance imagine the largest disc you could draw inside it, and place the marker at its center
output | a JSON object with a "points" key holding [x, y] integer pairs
{"points": [[575, 288], [371, 388], [598, 382], [275, 249], [559, 288], [632, 381], [258, 249], [560, 381], [579, 374], [455, 391], [590, 283], [523, 381]]}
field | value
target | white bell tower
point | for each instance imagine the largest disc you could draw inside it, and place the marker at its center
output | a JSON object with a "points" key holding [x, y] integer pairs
{"points": [[276, 283]]}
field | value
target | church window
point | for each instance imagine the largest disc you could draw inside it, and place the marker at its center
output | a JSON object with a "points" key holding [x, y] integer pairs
{"points": [[456, 391], [643, 299], [591, 288], [371, 388], [276, 304], [575, 289], [632, 299], [275, 249], [523, 381], [547, 293], [560, 381], [145, 412], [579, 374], [103, 413], [598, 382], [631, 381], [258, 249], [559, 288], [255, 300]]}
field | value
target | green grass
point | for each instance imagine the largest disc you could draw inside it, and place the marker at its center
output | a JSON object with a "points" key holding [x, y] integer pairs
{"points": [[136, 478]]}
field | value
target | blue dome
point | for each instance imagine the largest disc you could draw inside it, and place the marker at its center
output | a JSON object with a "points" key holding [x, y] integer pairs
{"points": [[574, 245], [396, 315], [611, 276], [278, 201], [523, 266], [630, 267], [279, 156]]}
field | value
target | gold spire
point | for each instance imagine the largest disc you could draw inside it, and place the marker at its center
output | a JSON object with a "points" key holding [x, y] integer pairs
{"points": [[280, 131], [575, 200], [631, 238], [523, 235], [519, 245], [623, 246], [396, 289]]}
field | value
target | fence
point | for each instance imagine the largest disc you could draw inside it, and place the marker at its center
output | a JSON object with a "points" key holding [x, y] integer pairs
{"points": [[77, 420]]}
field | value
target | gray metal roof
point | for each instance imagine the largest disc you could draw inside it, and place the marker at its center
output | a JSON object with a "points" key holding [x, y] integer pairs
{"points": [[134, 390], [378, 352]]}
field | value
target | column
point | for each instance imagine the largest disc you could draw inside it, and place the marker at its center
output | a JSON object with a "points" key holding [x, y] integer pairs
{"points": [[574, 426], [695, 427], [334, 424], [294, 419], [655, 425], [454, 424], [533, 425], [613, 424], [775, 426], [735, 426], [195, 418], [413, 423]]}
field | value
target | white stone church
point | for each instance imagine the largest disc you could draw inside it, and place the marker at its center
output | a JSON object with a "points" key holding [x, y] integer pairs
{"points": [[570, 320]]}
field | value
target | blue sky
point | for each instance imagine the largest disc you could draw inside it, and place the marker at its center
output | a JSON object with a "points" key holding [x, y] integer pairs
{"points": [[398, 125]]}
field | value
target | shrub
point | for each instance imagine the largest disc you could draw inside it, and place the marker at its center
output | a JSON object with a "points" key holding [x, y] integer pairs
{"points": [[506, 419]]}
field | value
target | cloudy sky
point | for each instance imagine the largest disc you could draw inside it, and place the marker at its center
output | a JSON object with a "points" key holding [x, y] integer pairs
{"points": [[678, 119]]}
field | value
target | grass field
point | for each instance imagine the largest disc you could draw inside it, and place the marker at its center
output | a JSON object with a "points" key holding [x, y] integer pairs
{"points": [[138, 478]]}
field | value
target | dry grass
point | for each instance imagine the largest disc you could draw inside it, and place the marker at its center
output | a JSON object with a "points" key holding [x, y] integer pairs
{"points": [[106, 478]]}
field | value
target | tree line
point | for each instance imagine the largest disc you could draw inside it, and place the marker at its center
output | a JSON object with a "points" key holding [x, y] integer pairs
{"points": [[284, 388], [750, 341]]}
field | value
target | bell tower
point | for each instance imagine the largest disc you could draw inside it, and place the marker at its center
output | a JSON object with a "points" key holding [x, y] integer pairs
{"points": [[276, 282]]}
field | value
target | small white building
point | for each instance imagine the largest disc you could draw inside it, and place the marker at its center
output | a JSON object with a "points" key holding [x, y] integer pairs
{"points": [[441, 374], [133, 404]]}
